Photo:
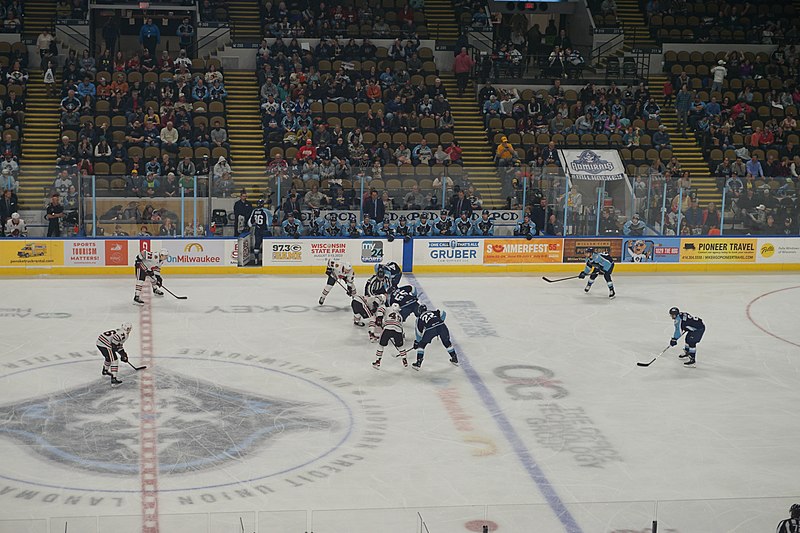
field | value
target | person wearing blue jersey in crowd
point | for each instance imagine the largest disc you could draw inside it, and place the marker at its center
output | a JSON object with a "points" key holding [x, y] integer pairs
{"points": [[526, 228], [386, 229], [423, 228], [292, 227], [598, 263], [406, 298], [403, 229], [484, 227], [463, 226], [443, 225], [367, 227], [352, 230], [316, 226], [332, 227], [693, 327], [430, 324]]}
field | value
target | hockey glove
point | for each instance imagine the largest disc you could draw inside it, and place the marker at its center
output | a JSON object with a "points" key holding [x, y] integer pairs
{"points": [[582, 275], [406, 238], [329, 272], [415, 346], [673, 342], [390, 238], [351, 291], [123, 356], [159, 280], [528, 236]]}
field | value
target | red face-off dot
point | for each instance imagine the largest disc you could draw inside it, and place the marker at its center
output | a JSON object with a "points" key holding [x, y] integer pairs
{"points": [[477, 525]]}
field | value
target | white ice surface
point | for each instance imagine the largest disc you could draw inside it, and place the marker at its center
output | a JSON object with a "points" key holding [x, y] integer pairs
{"points": [[705, 449]]}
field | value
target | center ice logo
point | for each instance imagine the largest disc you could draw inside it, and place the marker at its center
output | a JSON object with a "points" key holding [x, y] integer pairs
{"points": [[202, 425]]}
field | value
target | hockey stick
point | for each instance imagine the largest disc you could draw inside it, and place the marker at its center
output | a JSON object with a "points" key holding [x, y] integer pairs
{"points": [[342, 285], [137, 368], [175, 295], [659, 355], [548, 280]]}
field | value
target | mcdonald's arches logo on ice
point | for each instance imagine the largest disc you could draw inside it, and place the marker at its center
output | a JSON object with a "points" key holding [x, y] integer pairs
{"points": [[193, 247]]}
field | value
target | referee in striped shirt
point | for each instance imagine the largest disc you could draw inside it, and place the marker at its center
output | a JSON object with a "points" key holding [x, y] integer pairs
{"points": [[792, 524]]}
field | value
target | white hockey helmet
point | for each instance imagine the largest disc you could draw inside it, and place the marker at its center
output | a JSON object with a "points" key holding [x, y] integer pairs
{"points": [[395, 308], [126, 327], [163, 253], [347, 266]]}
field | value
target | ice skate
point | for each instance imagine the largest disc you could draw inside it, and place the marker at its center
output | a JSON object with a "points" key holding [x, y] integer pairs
{"points": [[137, 300], [115, 381], [377, 364]]}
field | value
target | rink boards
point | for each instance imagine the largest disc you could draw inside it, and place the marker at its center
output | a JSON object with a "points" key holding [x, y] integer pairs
{"points": [[115, 256]]}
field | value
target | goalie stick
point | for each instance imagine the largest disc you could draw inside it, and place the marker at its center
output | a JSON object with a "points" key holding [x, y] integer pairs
{"points": [[548, 280]]}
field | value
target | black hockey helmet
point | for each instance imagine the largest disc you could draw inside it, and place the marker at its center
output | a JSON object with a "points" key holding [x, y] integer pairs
{"points": [[421, 308], [485, 212], [674, 311], [444, 212], [380, 271], [794, 510], [402, 218], [423, 215], [315, 212], [260, 202], [589, 250]]}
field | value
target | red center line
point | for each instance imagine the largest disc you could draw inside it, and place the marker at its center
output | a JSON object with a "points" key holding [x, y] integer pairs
{"points": [[762, 328], [147, 417]]}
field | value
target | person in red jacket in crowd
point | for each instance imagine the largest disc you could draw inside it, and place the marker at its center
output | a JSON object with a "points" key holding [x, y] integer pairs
{"points": [[462, 67]]}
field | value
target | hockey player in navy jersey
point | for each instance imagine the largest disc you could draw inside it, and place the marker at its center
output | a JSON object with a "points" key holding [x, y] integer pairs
{"points": [[423, 228], [386, 230], [598, 263], [393, 273], [694, 328], [316, 226], [260, 221], [430, 325], [406, 298], [332, 227], [484, 226]]}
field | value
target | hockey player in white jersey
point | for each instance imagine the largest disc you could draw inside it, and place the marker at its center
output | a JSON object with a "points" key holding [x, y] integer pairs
{"points": [[335, 271], [364, 309], [148, 267], [110, 345], [391, 321]]}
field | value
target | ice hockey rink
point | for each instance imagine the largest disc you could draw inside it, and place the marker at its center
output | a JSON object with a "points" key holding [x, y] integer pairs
{"points": [[260, 410]]}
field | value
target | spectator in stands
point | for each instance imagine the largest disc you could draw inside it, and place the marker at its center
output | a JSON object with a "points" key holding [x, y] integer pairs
{"points": [[185, 35], [169, 138], [8, 205], [718, 73], [149, 36], [683, 103], [634, 227], [754, 167], [66, 153], [375, 207], [661, 139], [221, 167], [505, 155], [462, 67], [218, 135]]}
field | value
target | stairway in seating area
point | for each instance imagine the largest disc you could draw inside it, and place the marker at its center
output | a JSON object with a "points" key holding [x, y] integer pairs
{"points": [[471, 135], [39, 140], [39, 14], [245, 16], [244, 131], [441, 21], [686, 148], [633, 20]]}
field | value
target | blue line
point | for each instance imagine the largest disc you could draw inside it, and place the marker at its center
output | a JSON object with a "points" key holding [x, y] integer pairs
{"points": [[530, 464]]}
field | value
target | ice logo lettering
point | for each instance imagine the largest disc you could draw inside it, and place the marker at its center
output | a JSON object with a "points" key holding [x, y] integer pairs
{"points": [[201, 425], [590, 162]]}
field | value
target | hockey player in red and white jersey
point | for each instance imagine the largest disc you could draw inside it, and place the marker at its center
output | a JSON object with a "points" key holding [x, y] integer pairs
{"points": [[336, 271], [148, 267], [364, 308], [390, 319], [110, 345]]}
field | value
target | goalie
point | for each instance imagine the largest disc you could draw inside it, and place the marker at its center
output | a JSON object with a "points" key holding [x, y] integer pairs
{"points": [[338, 271], [148, 267], [110, 345]]}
